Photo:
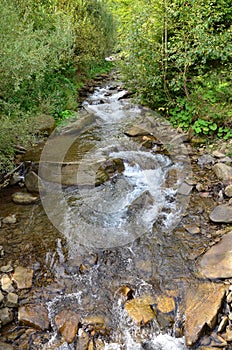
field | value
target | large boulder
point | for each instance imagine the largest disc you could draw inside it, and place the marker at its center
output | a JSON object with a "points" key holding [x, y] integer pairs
{"points": [[203, 303]]}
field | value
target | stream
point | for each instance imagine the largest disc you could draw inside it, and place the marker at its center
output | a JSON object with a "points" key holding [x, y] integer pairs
{"points": [[96, 231]]}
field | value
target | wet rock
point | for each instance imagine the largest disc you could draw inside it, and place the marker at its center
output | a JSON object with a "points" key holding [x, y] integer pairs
{"points": [[11, 219], [228, 191], [95, 324], [217, 261], [112, 166], [23, 277], [165, 304], [35, 316], [137, 130], [185, 189], [222, 213], [142, 201], [5, 346], [6, 284], [203, 303], [205, 160], [33, 182], [24, 198], [67, 323], [91, 345], [101, 177], [223, 172], [6, 316], [82, 341], [223, 323], [126, 292], [140, 309]]}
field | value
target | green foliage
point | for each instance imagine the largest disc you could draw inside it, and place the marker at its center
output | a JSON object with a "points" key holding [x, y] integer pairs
{"points": [[177, 56]]}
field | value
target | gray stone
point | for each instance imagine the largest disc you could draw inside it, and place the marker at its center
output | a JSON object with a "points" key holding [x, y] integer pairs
{"points": [[35, 316], [23, 277], [185, 189], [222, 213], [223, 172], [205, 160], [228, 191], [11, 219], [33, 182], [217, 261], [11, 300], [6, 316], [24, 198]]}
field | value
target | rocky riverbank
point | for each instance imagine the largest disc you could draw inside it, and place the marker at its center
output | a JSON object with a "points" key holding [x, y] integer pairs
{"points": [[36, 272]]}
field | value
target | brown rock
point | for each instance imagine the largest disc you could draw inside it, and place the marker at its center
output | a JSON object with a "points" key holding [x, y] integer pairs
{"points": [[95, 324], [67, 323], [217, 261], [203, 303], [193, 229], [35, 316], [11, 300], [6, 284], [140, 310], [82, 341], [165, 304], [137, 131], [23, 277], [6, 316], [91, 345]]}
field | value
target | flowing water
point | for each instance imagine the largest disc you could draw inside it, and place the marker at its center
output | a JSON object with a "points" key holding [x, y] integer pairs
{"points": [[92, 240]]}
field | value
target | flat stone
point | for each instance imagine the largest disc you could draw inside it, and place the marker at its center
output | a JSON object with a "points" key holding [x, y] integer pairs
{"points": [[193, 229], [222, 213], [185, 189], [165, 304], [23, 277], [140, 310], [67, 323], [223, 172], [11, 219], [218, 154], [33, 182], [24, 198], [228, 191], [137, 131], [11, 300], [203, 303], [6, 316], [217, 261], [35, 316]]}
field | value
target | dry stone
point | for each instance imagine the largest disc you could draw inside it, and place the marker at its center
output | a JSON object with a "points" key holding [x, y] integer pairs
{"points": [[11, 219], [223, 172], [35, 316], [33, 182], [6, 284], [228, 191], [6, 316], [11, 300], [222, 214], [217, 261], [23, 277], [203, 303]]}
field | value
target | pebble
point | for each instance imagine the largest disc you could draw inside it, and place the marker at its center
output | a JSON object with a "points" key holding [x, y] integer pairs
{"points": [[6, 316], [228, 191], [24, 198], [11, 219], [6, 284]]}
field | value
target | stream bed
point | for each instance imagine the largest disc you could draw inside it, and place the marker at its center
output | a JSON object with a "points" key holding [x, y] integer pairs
{"points": [[108, 230]]}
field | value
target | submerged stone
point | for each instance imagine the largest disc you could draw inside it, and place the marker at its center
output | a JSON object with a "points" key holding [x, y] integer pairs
{"points": [[24, 198], [140, 309]]}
